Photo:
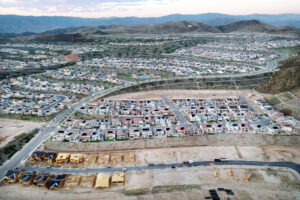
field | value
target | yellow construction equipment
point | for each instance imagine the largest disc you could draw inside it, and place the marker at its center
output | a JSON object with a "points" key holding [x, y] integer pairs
{"points": [[230, 172], [216, 173], [246, 179]]}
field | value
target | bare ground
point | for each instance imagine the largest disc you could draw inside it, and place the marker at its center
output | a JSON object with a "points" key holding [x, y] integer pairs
{"points": [[178, 184], [11, 128]]}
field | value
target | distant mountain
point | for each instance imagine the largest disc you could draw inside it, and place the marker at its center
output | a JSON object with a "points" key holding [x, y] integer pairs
{"points": [[82, 33], [15, 35], [19, 24], [254, 26], [167, 27]]}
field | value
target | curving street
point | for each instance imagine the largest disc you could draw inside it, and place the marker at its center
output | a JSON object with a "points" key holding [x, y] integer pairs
{"points": [[35, 142]]}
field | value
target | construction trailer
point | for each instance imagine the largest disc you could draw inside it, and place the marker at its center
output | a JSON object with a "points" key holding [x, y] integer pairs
{"points": [[118, 178], [27, 178], [56, 182], [76, 158], [36, 156], [50, 157], [41, 180], [62, 158], [102, 181], [12, 176]]}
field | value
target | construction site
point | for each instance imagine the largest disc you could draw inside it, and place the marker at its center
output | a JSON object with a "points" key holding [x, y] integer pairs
{"points": [[203, 182]]}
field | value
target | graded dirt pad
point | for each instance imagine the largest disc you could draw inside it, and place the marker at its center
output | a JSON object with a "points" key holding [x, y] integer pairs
{"points": [[11, 128], [155, 94], [178, 184], [72, 181], [142, 157]]}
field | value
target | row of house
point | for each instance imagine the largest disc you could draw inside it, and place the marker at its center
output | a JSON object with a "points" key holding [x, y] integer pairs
{"points": [[120, 122], [127, 108], [29, 103], [287, 123], [77, 135], [48, 181], [36, 83], [59, 158]]}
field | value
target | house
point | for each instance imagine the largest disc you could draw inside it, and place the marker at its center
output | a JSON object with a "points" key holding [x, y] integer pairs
{"points": [[207, 128], [36, 156], [118, 178], [170, 132], [121, 134], [62, 157], [102, 181], [27, 178], [134, 133], [274, 129], [76, 158], [146, 132], [85, 135], [12, 176], [233, 127], [110, 134], [56, 182], [71, 135], [97, 136], [59, 136], [158, 131], [50, 157], [41, 180], [182, 130]]}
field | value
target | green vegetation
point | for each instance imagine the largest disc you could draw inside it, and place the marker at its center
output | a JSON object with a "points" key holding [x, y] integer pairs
{"points": [[27, 117], [11, 148]]}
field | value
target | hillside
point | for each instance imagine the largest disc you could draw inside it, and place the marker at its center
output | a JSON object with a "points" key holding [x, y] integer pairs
{"points": [[168, 27], [19, 24], [254, 26], [286, 79]]}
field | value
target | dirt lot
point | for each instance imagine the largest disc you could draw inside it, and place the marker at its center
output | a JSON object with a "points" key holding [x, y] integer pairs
{"points": [[126, 158], [155, 94], [177, 184], [11, 128]]}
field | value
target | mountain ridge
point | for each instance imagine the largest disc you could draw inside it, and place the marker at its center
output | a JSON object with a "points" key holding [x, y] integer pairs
{"points": [[19, 24]]}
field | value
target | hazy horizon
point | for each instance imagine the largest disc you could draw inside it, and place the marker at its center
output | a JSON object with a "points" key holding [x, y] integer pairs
{"points": [[144, 8]]}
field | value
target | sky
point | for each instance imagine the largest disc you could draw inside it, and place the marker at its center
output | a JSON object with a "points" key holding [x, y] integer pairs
{"points": [[145, 8]]}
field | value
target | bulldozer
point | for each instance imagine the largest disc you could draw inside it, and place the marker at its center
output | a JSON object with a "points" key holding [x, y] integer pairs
{"points": [[231, 172], [246, 179]]}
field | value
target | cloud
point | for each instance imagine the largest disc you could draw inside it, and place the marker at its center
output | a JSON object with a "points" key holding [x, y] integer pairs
{"points": [[144, 8]]}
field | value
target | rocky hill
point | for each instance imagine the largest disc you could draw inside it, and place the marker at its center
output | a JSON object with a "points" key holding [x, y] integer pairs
{"points": [[254, 26], [286, 79]]}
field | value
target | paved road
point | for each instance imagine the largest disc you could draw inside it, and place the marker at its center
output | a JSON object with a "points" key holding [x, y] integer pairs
{"points": [[181, 119], [45, 133], [290, 165]]}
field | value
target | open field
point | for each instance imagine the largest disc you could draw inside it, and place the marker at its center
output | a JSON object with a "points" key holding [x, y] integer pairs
{"points": [[11, 128], [155, 94], [177, 184]]}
